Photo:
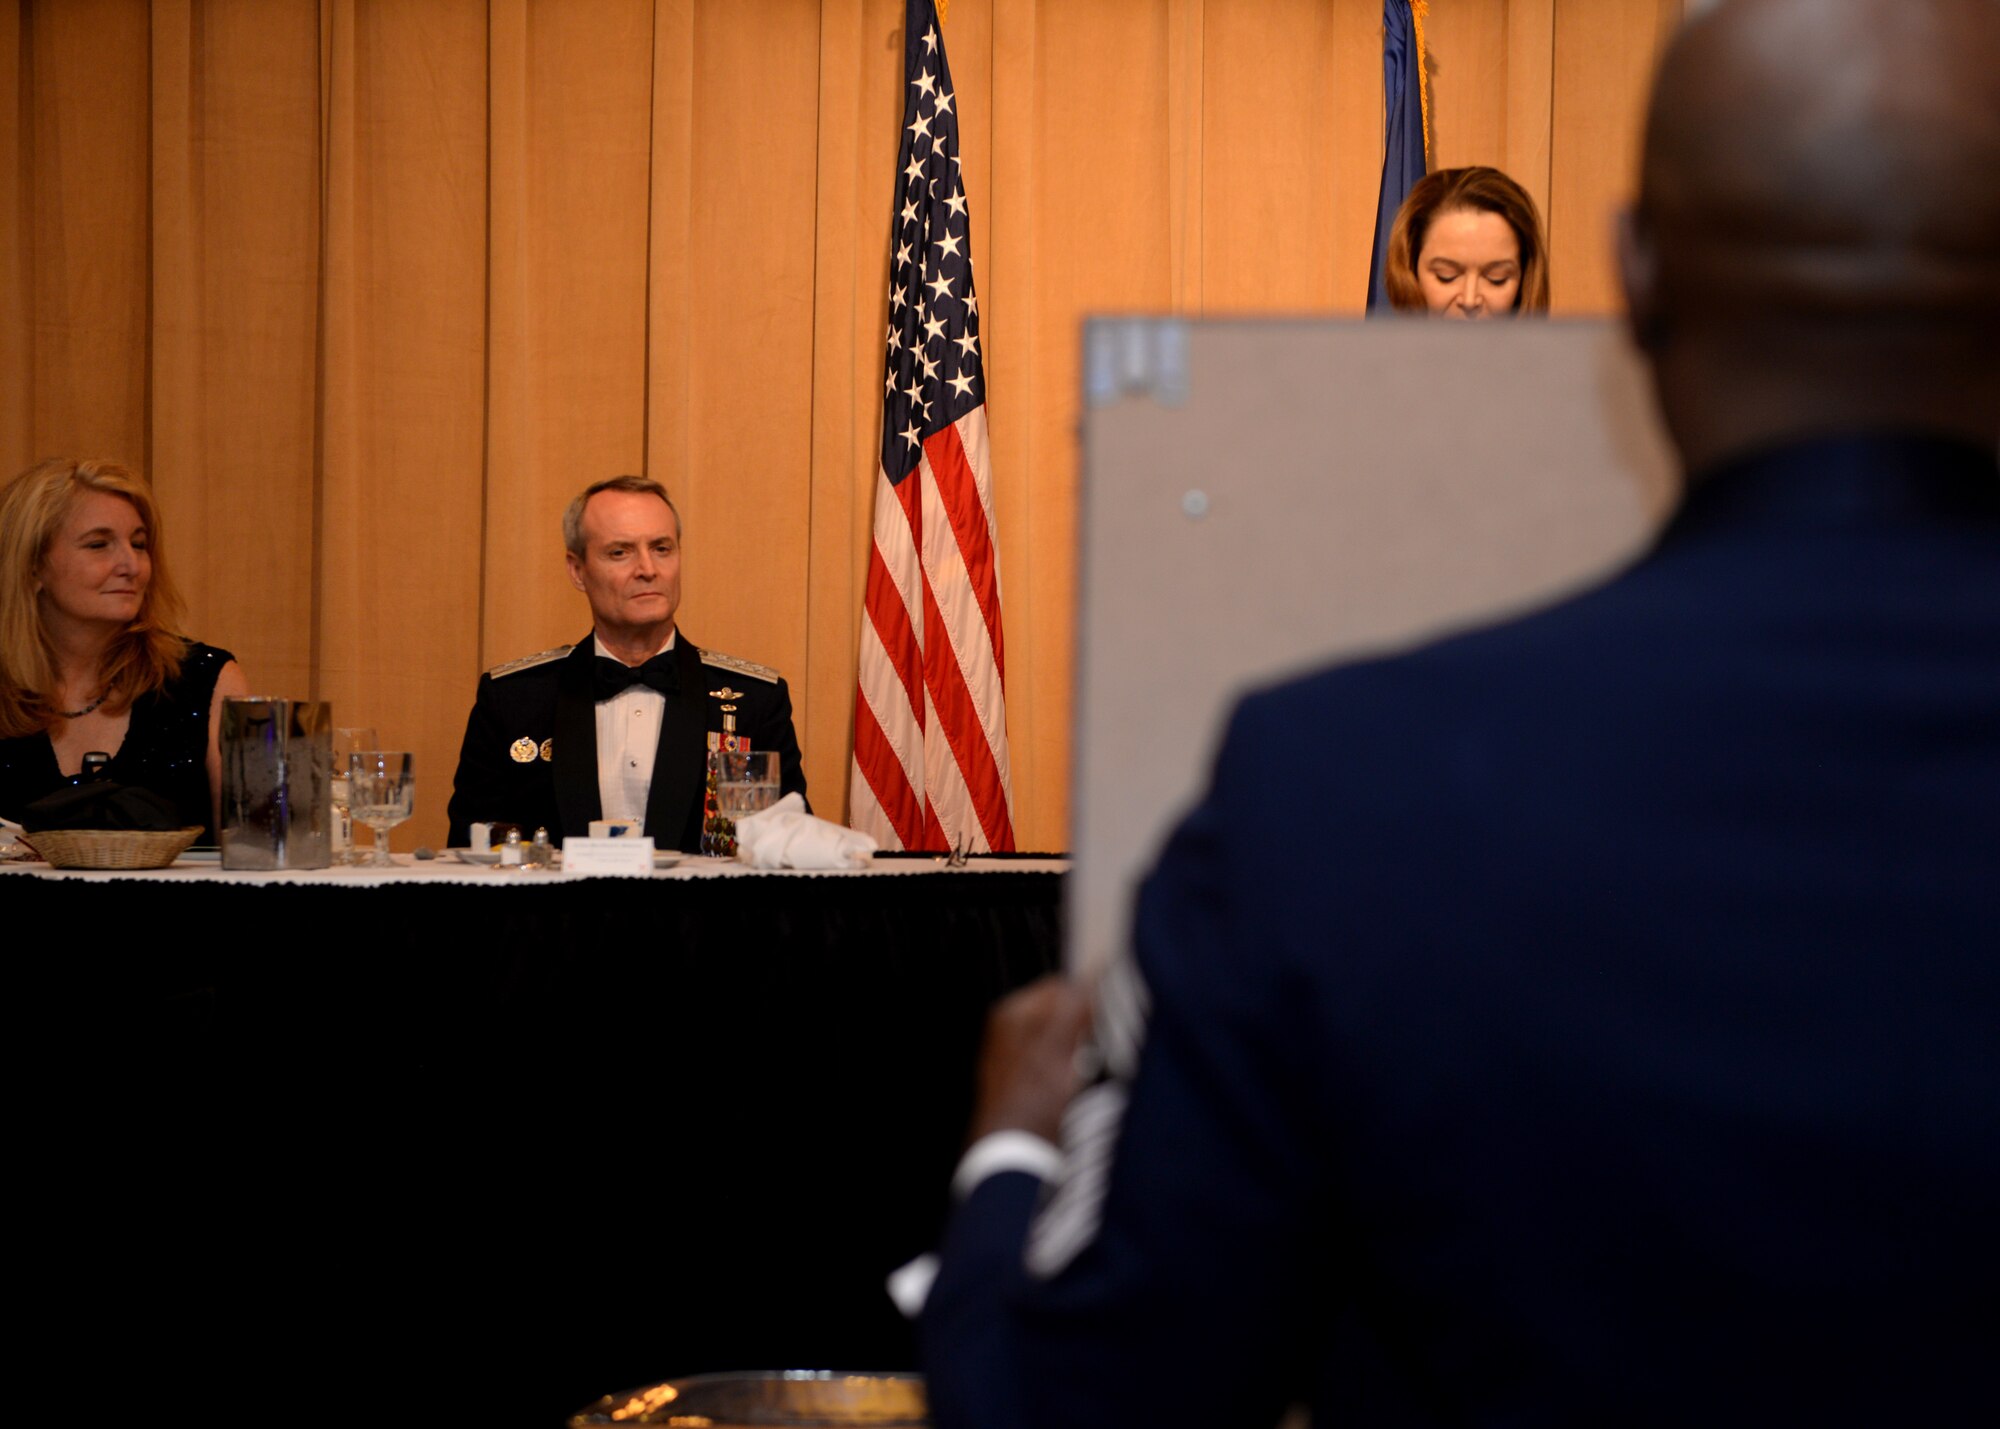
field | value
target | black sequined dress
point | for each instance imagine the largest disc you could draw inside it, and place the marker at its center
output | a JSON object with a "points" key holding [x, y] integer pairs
{"points": [[165, 748]]}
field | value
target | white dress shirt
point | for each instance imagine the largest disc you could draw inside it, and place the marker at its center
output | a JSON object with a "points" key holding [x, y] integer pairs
{"points": [[628, 736], [909, 1285]]}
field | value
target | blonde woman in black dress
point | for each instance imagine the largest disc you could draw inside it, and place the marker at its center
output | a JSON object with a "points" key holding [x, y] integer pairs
{"points": [[91, 655]]}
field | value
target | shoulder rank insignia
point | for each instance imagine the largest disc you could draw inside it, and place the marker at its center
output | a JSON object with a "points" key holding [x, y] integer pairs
{"points": [[528, 662], [741, 667], [522, 750]]}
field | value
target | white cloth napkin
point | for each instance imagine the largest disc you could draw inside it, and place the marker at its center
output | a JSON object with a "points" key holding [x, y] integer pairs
{"points": [[786, 836]]}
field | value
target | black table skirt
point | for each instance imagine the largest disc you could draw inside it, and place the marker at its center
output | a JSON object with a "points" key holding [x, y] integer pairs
{"points": [[516, 1147]]}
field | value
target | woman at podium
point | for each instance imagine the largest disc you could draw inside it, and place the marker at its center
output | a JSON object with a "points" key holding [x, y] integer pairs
{"points": [[1468, 244]]}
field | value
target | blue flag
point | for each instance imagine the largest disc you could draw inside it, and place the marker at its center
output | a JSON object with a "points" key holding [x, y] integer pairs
{"points": [[1403, 160]]}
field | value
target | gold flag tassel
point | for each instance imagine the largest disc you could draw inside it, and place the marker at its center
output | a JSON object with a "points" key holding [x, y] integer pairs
{"points": [[1418, 9], [943, 5]]}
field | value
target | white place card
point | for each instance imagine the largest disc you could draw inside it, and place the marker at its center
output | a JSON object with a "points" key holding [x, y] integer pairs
{"points": [[624, 857]]}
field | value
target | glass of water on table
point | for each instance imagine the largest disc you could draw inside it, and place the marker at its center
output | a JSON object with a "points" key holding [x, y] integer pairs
{"points": [[746, 783], [381, 793], [346, 742]]}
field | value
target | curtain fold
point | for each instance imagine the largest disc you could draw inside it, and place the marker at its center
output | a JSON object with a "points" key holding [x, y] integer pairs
{"points": [[402, 476]]}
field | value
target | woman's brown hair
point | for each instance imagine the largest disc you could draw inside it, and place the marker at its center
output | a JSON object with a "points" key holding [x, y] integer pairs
{"points": [[1477, 187]]}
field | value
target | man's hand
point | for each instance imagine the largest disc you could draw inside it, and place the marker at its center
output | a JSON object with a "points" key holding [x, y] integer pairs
{"points": [[1027, 1068]]}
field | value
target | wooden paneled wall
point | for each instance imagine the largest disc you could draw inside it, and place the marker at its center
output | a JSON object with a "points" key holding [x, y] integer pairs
{"points": [[372, 287]]}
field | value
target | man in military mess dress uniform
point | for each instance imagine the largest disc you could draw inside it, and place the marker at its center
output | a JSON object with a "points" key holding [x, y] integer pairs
{"points": [[618, 726]]}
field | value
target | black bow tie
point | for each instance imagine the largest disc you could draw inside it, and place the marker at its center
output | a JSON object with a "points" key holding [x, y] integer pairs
{"points": [[612, 677]]}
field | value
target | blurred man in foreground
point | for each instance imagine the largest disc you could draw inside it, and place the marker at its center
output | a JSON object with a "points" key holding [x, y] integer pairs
{"points": [[1625, 1050]]}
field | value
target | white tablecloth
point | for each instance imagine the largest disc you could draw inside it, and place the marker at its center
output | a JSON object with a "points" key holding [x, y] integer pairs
{"points": [[411, 870]]}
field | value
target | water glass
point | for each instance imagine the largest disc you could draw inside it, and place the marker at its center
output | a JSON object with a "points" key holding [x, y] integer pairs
{"points": [[381, 793]]}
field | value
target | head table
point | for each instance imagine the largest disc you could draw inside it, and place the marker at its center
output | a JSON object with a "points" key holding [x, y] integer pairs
{"points": [[516, 1138]]}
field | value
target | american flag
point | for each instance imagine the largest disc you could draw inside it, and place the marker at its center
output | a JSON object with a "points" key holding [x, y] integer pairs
{"points": [[930, 719]]}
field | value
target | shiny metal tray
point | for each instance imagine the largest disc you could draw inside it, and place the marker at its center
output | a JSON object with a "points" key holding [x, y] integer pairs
{"points": [[806, 1399]]}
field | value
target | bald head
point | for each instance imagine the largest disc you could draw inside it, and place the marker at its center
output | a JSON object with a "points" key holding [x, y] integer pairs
{"points": [[1820, 199]]}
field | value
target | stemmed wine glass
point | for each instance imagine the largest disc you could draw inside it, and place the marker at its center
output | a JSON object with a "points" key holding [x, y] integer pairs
{"points": [[381, 793]]}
